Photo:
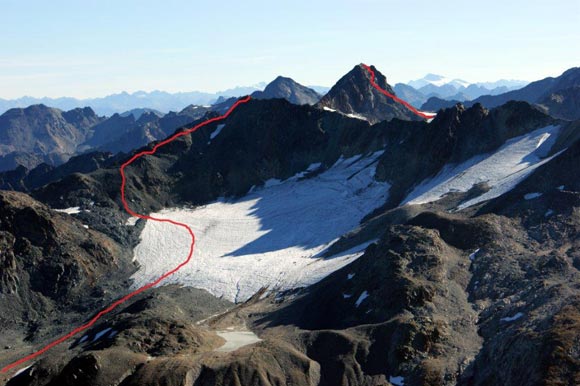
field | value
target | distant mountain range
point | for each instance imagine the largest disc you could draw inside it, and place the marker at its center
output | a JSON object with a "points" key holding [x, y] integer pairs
{"points": [[118, 103], [417, 92], [160, 101]]}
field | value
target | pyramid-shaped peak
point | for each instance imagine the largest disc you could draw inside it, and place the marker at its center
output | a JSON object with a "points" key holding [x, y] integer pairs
{"points": [[354, 94]]}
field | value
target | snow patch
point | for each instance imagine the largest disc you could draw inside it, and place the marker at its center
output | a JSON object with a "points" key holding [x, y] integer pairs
{"points": [[346, 296], [131, 221], [531, 196], [472, 255], [356, 116], [22, 370], [512, 318], [101, 333], [502, 170], [397, 381], [236, 339], [361, 298], [548, 213], [328, 109], [217, 131], [73, 210], [350, 276], [561, 187], [273, 237]]}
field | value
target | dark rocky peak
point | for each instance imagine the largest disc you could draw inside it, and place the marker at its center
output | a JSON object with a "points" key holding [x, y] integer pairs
{"points": [[288, 89], [222, 104], [354, 94], [435, 103], [569, 78], [39, 134], [194, 111], [82, 117], [32, 111], [110, 129], [147, 117]]}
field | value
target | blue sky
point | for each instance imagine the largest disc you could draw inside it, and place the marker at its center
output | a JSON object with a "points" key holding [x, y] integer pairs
{"points": [[93, 48]]}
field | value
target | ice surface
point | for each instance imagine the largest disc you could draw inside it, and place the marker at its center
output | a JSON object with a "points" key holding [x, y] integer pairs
{"points": [[502, 170], [273, 237]]}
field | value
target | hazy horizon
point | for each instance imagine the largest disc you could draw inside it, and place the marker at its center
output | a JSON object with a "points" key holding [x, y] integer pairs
{"points": [[94, 49]]}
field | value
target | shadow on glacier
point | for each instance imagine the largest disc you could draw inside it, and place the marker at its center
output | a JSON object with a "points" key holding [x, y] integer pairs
{"points": [[310, 214]]}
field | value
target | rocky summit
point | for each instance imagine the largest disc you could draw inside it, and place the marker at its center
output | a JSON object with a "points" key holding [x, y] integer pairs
{"points": [[287, 88], [354, 95]]}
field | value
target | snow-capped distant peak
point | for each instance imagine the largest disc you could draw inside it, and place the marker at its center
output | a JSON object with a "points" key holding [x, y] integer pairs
{"points": [[437, 80]]}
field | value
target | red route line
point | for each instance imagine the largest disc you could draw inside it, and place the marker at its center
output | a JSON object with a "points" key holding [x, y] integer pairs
{"points": [[176, 223], [134, 214], [394, 97]]}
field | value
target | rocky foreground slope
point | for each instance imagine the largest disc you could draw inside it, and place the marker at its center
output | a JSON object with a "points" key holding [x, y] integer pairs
{"points": [[445, 294]]}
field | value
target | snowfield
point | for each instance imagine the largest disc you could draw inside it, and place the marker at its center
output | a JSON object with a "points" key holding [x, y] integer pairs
{"points": [[273, 237], [502, 170]]}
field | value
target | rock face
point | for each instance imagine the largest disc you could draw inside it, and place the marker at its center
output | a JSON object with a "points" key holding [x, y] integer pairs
{"points": [[125, 133], [288, 89], [564, 103], [41, 134], [435, 104], [24, 180], [409, 94], [354, 94], [55, 269]]}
